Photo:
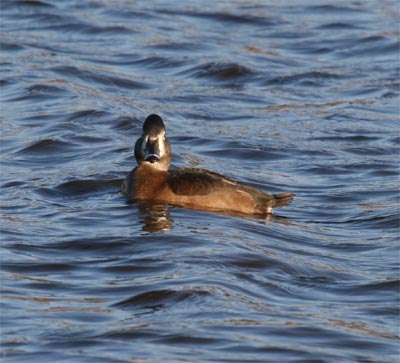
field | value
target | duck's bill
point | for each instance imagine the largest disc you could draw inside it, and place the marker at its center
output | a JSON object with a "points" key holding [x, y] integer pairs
{"points": [[152, 158], [152, 151]]}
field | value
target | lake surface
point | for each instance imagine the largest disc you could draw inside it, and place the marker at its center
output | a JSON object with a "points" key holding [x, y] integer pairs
{"points": [[287, 96]]}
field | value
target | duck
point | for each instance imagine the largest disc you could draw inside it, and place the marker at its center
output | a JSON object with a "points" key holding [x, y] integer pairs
{"points": [[152, 181]]}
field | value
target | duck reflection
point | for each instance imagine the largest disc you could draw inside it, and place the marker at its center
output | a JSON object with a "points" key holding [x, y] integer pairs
{"points": [[155, 217]]}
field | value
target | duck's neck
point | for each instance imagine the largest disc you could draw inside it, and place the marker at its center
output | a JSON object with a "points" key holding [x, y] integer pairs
{"points": [[149, 180]]}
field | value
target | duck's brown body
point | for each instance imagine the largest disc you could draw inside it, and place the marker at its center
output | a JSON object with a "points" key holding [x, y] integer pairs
{"points": [[151, 181], [199, 189]]}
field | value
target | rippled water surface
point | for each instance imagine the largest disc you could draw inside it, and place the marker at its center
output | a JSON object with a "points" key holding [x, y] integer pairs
{"points": [[299, 96]]}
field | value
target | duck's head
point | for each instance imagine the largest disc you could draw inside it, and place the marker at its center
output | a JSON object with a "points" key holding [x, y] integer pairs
{"points": [[153, 146]]}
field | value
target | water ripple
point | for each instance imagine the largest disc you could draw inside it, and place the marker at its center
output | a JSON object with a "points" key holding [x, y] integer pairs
{"points": [[220, 71], [99, 78]]}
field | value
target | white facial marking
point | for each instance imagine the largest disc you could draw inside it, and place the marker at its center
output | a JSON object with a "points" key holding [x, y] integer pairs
{"points": [[143, 146], [161, 145]]}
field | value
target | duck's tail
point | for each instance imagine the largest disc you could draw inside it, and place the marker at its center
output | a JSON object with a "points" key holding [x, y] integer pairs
{"points": [[283, 199]]}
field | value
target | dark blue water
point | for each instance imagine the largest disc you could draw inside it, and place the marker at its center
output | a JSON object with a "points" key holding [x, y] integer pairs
{"points": [[295, 96]]}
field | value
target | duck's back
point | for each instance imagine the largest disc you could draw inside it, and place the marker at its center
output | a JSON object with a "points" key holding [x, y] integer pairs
{"points": [[197, 181], [203, 189]]}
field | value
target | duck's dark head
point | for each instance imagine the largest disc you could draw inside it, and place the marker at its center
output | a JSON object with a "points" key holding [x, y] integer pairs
{"points": [[153, 146]]}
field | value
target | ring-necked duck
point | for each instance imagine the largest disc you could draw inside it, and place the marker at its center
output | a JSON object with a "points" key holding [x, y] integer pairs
{"points": [[151, 181]]}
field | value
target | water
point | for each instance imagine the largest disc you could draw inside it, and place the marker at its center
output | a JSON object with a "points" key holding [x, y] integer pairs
{"points": [[299, 96]]}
